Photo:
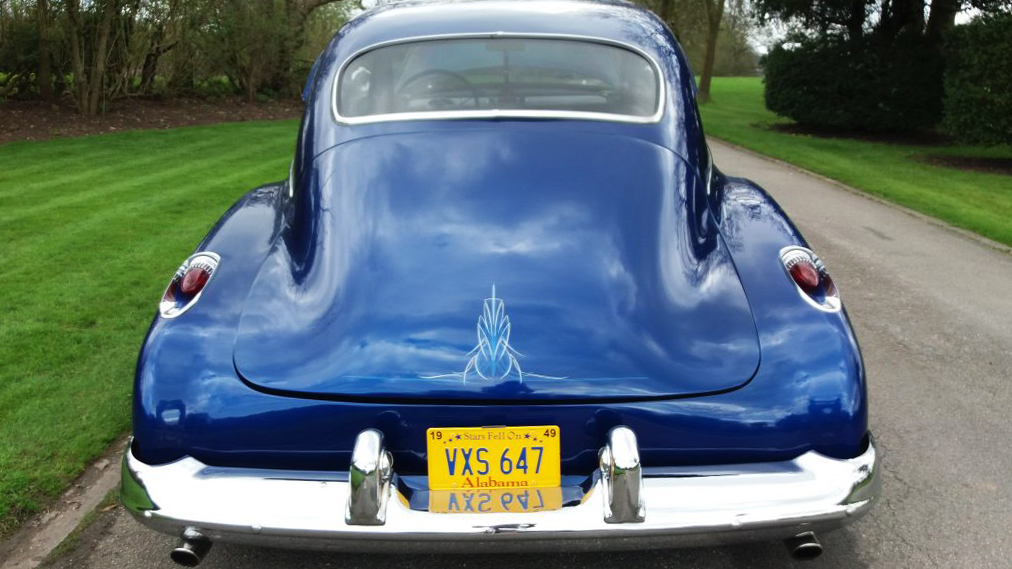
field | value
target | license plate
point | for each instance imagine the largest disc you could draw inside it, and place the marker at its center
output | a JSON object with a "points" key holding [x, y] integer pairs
{"points": [[486, 458], [494, 501]]}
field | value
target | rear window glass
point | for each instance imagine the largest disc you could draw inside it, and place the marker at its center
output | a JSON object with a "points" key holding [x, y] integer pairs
{"points": [[515, 75]]}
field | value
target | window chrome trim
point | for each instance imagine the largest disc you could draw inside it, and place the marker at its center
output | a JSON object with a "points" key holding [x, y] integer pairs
{"points": [[709, 167], [291, 179], [502, 113]]}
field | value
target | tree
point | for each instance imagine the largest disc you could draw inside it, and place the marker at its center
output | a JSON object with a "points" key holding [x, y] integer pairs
{"points": [[297, 14], [884, 19], [89, 33], [689, 22], [256, 42], [111, 49], [44, 77], [860, 65], [19, 42], [714, 14]]}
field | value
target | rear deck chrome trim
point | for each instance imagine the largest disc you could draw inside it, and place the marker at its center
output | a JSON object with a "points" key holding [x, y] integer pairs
{"points": [[693, 506]]}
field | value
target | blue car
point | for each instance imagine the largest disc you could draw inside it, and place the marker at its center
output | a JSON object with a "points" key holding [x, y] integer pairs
{"points": [[504, 301]]}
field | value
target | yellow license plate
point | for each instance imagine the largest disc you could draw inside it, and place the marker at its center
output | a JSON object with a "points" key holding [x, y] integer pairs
{"points": [[486, 458], [494, 501]]}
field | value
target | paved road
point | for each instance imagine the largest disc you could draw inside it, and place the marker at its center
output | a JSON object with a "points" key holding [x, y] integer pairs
{"points": [[933, 311]]}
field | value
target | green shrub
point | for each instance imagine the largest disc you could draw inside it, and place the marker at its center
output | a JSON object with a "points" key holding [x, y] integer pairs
{"points": [[215, 87], [861, 85], [19, 58], [978, 81]]}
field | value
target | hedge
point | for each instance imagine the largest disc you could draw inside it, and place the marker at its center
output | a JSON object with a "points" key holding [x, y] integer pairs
{"points": [[847, 85], [978, 81]]}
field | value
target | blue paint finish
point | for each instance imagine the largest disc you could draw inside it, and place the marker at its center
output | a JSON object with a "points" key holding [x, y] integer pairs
{"points": [[301, 279], [614, 282]]}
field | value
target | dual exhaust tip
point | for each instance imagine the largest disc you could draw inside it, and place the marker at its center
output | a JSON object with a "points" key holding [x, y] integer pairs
{"points": [[194, 547]]}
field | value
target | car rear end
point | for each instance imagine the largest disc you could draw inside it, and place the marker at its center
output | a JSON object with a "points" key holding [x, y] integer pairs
{"points": [[467, 323]]}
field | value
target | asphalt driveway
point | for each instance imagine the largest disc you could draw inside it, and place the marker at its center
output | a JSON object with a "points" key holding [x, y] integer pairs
{"points": [[933, 312]]}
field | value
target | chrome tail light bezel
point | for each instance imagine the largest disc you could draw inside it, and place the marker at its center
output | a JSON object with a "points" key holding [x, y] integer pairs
{"points": [[174, 302], [826, 297]]}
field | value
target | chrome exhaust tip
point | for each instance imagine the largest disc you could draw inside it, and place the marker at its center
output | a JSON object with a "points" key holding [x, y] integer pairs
{"points": [[192, 549], [803, 547]]}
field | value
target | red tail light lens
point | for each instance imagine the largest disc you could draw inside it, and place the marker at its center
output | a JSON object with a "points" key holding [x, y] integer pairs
{"points": [[187, 284], [194, 280], [803, 273], [811, 278]]}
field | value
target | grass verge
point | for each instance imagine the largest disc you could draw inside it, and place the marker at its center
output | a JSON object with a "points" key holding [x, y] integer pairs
{"points": [[979, 202], [72, 541], [91, 229]]}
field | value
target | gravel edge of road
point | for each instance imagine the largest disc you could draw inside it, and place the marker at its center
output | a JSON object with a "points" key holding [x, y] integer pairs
{"points": [[43, 533]]}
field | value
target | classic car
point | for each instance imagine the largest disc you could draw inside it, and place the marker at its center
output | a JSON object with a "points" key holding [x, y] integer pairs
{"points": [[503, 301]]}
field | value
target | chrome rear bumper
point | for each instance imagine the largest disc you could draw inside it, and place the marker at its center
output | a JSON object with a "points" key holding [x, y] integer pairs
{"points": [[626, 507]]}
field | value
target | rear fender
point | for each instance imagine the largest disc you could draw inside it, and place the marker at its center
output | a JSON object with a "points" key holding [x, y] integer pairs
{"points": [[816, 351], [202, 337]]}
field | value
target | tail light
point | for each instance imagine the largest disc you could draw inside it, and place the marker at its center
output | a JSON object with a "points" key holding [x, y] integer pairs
{"points": [[188, 283], [811, 278]]}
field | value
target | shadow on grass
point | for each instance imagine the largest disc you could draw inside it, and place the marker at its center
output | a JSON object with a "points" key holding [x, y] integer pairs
{"points": [[922, 138], [985, 165]]}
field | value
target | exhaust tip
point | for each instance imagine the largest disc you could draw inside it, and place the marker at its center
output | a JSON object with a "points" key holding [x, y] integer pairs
{"points": [[185, 557], [191, 549], [804, 547]]}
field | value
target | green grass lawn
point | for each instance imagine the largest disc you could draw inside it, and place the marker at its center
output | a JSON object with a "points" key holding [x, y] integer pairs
{"points": [[91, 229], [976, 201]]}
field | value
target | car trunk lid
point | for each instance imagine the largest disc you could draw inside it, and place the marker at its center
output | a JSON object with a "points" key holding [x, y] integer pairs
{"points": [[481, 266]]}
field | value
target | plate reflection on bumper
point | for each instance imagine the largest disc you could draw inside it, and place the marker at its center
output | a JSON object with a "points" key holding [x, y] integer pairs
{"points": [[495, 501]]}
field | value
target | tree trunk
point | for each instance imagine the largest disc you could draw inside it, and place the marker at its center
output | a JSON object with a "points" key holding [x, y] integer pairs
{"points": [[714, 14], [666, 12], [252, 83], [148, 71], [941, 19], [855, 21], [77, 55], [150, 67], [298, 12], [89, 88], [59, 83], [96, 82], [902, 16], [3, 19], [44, 78]]}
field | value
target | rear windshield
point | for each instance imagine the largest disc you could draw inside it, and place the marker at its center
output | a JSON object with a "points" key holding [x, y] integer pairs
{"points": [[515, 75]]}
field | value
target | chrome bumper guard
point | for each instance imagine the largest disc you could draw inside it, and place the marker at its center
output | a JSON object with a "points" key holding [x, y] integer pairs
{"points": [[627, 506]]}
